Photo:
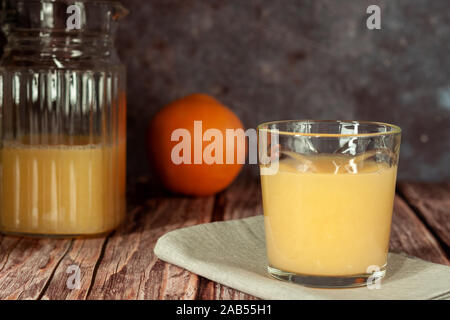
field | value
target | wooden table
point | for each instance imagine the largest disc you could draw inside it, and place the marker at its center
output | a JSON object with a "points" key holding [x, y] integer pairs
{"points": [[123, 266]]}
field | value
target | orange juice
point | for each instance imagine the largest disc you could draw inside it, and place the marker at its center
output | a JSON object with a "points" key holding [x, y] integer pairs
{"points": [[328, 215], [62, 189]]}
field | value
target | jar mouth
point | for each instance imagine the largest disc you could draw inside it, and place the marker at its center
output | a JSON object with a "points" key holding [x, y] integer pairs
{"points": [[329, 128], [120, 10], [93, 16]]}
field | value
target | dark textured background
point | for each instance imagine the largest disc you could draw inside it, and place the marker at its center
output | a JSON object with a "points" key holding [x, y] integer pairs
{"points": [[271, 60], [295, 59]]}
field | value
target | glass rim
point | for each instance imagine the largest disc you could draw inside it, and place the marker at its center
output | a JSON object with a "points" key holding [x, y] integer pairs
{"points": [[394, 128]]}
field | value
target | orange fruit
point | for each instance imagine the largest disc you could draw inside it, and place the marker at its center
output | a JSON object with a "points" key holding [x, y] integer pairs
{"points": [[189, 178]]}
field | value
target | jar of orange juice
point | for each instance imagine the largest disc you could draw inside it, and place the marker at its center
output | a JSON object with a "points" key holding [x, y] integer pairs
{"points": [[62, 119]]}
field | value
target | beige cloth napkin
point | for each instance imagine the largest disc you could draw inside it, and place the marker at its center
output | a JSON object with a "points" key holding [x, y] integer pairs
{"points": [[233, 254]]}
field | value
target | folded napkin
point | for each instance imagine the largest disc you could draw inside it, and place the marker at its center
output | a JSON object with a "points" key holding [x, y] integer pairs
{"points": [[233, 254]]}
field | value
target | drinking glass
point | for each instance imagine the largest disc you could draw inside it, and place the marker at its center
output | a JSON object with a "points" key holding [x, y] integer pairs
{"points": [[328, 190]]}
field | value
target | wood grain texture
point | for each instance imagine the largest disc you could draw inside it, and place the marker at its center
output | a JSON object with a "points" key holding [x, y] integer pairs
{"points": [[130, 270], [27, 265], [409, 235], [123, 266], [432, 202], [83, 254], [241, 200], [209, 290]]}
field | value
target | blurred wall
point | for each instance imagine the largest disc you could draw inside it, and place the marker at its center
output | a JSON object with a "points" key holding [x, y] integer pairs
{"points": [[286, 59], [295, 59]]}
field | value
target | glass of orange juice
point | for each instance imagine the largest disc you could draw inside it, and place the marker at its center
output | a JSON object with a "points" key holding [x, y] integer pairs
{"points": [[328, 190]]}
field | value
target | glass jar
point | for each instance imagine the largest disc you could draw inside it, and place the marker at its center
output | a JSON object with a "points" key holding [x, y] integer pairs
{"points": [[62, 119]]}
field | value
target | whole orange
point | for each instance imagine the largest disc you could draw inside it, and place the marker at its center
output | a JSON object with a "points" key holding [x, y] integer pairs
{"points": [[198, 179]]}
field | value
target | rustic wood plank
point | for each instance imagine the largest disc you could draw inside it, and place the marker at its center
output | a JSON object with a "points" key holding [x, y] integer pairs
{"points": [[83, 254], [209, 290], [410, 235], [123, 266], [432, 202], [130, 270], [27, 265], [241, 200], [179, 284]]}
